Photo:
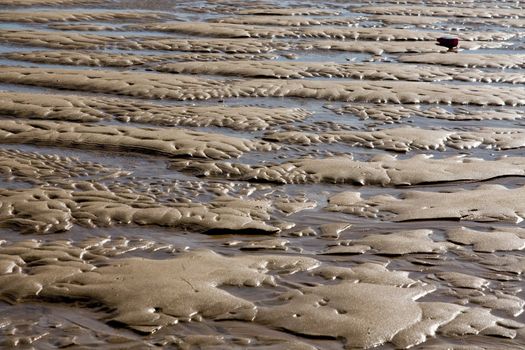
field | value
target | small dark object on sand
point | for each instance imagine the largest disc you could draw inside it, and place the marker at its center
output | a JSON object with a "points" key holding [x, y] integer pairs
{"points": [[450, 43]]}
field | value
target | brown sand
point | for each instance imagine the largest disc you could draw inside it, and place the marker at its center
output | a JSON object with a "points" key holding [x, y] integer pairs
{"points": [[261, 175]]}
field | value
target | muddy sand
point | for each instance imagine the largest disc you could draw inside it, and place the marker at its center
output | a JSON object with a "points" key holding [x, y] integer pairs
{"points": [[261, 175]]}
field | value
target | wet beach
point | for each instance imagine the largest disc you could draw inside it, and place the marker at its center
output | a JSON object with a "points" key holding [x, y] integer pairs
{"points": [[262, 175]]}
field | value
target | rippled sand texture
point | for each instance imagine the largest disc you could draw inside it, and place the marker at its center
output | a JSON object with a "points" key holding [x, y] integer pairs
{"points": [[262, 175]]}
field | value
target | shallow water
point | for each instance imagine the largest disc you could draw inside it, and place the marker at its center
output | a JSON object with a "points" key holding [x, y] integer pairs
{"points": [[324, 193]]}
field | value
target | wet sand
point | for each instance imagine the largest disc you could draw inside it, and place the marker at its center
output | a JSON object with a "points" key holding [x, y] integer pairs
{"points": [[261, 175]]}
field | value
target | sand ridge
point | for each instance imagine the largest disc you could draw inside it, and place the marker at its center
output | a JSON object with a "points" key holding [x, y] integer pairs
{"points": [[299, 70], [470, 61], [287, 21], [48, 2], [82, 27], [168, 142], [382, 113], [442, 11], [88, 109], [57, 40], [227, 30], [50, 210], [90, 58], [69, 40], [405, 139], [380, 170], [71, 16], [395, 243], [508, 238], [393, 47], [149, 85], [419, 21], [486, 203], [280, 11], [39, 168]]}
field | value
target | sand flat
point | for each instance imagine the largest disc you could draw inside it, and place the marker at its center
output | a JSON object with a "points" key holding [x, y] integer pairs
{"points": [[261, 175]]}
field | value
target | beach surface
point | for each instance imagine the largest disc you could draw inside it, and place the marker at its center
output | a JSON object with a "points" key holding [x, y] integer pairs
{"points": [[262, 174]]}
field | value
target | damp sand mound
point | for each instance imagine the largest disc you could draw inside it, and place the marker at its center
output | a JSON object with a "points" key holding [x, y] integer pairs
{"points": [[39, 168], [297, 11], [385, 113], [287, 21], [405, 139], [381, 170], [227, 30], [93, 109], [159, 86], [486, 203], [24, 3], [100, 59], [85, 41], [468, 60], [442, 11], [384, 314], [497, 239], [184, 289], [49, 210], [168, 142], [73, 41], [393, 47], [64, 272], [362, 71], [73, 16], [395, 243]]}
